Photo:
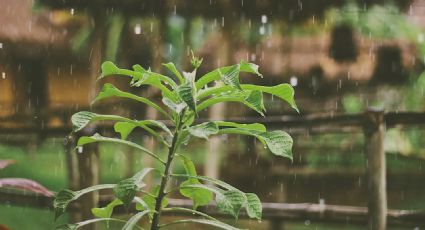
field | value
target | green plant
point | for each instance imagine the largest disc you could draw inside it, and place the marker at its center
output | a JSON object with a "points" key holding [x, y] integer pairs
{"points": [[184, 100]]}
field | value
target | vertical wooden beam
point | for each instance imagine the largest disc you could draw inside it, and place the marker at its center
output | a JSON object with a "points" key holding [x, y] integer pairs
{"points": [[73, 172], [375, 169], [217, 111], [88, 157]]}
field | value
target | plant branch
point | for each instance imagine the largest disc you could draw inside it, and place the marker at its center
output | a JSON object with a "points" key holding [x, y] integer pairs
{"points": [[167, 172]]}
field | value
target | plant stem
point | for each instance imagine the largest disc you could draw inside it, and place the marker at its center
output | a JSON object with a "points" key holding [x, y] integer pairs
{"points": [[166, 175]]}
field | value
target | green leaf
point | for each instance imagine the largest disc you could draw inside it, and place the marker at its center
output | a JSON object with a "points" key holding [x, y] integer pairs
{"points": [[175, 107], [252, 99], [231, 77], [98, 138], [204, 130], [110, 90], [106, 212], [186, 92], [153, 79], [150, 200], [126, 127], [254, 126], [132, 222], [282, 91], [230, 202], [216, 74], [109, 68], [66, 196], [217, 224], [170, 66], [126, 189], [255, 101], [253, 207], [199, 196], [140, 77], [278, 141]]}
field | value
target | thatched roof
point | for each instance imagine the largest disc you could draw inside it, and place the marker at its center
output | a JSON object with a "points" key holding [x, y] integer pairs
{"points": [[28, 32]]}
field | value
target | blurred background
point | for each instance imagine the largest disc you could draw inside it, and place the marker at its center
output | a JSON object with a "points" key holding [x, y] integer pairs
{"points": [[340, 56]]}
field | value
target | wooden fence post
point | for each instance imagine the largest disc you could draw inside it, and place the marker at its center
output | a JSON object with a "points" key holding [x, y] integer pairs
{"points": [[72, 171], [374, 130]]}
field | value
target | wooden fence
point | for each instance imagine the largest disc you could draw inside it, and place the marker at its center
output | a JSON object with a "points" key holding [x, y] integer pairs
{"points": [[372, 123]]}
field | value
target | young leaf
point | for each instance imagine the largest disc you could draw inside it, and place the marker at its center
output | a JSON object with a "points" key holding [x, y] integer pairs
{"points": [[253, 207], [230, 202], [199, 196], [126, 189], [98, 138], [109, 68], [110, 90], [175, 107], [204, 130], [106, 212], [132, 222], [66, 196], [170, 66], [216, 74], [186, 92], [153, 79], [87, 222], [231, 77]]}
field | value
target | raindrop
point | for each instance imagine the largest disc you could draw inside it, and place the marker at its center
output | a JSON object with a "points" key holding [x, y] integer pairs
{"points": [[1, 45], [262, 30], [80, 149], [151, 27], [137, 29], [175, 9], [293, 81], [222, 21], [72, 11], [253, 57], [307, 222], [3, 75], [264, 19], [242, 2]]}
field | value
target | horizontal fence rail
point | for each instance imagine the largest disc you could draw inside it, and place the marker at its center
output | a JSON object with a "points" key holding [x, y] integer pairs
{"points": [[274, 212]]}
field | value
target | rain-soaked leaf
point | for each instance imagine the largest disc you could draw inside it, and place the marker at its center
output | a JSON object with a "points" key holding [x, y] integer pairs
{"points": [[132, 222], [231, 77], [253, 207], [170, 66], [204, 130], [66, 196], [186, 92], [230, 202], [126, 189], [110, 90], [98, 138], [199, 196], [106, 212]]}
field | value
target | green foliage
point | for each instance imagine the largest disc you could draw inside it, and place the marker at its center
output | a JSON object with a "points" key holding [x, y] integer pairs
{"points": [[181, 101]]}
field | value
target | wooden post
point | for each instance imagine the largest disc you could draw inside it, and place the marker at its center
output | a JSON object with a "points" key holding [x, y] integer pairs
{"points": [[375, 169], [73, 172], [88, 157]]}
